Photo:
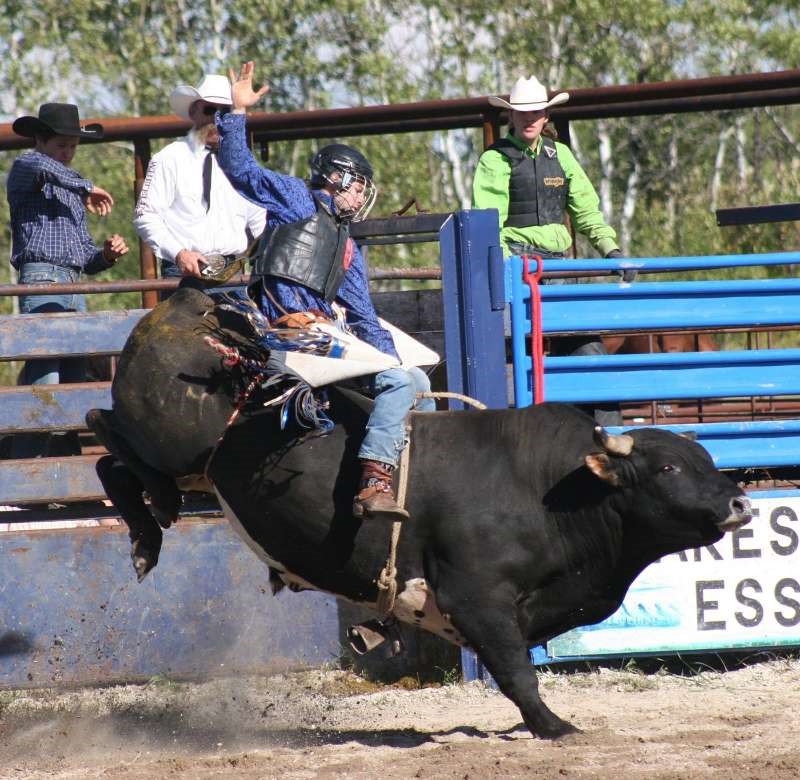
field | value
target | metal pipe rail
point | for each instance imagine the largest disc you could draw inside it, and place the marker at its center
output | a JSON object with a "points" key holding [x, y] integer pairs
{"points": [[141, 285], [654, 97], [672, 375], [736, 445], [678, 263], [647, 306]]}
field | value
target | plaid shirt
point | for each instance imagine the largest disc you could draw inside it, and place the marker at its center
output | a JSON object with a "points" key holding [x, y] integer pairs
{"points": [[48, 218]]}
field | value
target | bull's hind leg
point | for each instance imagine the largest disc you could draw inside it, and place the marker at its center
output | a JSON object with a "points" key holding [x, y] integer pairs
{"points": [[165, 498], [124, 489], [488, 623], [125, 478]]}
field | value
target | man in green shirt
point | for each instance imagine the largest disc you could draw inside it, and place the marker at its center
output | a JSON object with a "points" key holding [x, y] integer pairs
{"points": [[533, 180]]}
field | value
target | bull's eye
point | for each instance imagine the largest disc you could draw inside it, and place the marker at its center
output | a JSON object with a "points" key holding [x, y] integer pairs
{"points": [[670, 469]]}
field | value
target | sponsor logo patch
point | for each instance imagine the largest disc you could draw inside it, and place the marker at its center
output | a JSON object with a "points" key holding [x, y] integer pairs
{"points": [[554, 181]]}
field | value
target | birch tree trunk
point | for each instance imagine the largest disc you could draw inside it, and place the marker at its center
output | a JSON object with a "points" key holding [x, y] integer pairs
{"points": [[671, 222], [719, 161], [631, 195], [742, 164], [606, 170]]}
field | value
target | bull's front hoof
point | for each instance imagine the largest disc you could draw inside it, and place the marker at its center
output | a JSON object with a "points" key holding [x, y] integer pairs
{"points": [[144, 559], [552, 728]]}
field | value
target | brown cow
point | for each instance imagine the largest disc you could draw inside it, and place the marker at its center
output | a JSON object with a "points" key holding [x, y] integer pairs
{"points": [[640, 343]]}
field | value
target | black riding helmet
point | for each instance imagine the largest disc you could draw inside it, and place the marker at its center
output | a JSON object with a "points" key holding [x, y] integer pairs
{"points": [[338, 157], [350, 167]]}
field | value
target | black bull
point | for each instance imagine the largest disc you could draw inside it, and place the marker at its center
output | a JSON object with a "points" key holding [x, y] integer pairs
{"points": [[524, 523]]}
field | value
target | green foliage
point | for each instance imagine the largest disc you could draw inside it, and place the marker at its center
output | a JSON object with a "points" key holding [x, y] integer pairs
{"points": [[123, 58]]}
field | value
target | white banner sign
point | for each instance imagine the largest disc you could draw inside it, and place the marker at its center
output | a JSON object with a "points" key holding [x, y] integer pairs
{"points": [[743, 591]]}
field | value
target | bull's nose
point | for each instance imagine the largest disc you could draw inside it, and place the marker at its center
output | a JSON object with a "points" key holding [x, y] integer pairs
{"points": [[740, 505], [740, 514]]}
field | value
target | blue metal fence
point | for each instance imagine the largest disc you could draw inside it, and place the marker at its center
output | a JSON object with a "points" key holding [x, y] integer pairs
{"points": [[474, 301], [610, 308]]}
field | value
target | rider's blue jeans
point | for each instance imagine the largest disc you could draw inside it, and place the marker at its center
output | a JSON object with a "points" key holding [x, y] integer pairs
{"points": [[394, 390]]}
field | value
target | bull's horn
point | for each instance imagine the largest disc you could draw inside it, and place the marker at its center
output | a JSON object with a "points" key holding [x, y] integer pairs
{"points": [[616, 445], [367, 636]]}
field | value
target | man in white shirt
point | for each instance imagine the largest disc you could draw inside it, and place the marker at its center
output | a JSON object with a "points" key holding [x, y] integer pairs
{"points": [[187, 209]]}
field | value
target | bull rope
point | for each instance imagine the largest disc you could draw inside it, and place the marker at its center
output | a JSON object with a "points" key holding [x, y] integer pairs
{"points": [[387, 579], [455, 396]]}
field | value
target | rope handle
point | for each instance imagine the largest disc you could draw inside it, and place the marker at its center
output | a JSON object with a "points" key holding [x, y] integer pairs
{"points": [[532, 279], [456, 396]]}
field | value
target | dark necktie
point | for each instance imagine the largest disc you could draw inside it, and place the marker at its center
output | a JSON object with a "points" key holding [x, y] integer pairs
{"points": [[208, 164]]}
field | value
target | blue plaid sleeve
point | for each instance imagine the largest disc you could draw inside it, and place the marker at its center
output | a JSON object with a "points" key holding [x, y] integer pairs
{"points": [[42, 172]]}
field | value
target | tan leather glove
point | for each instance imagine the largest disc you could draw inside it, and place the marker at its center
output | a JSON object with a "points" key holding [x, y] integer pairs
{"points": [[299, 319]]}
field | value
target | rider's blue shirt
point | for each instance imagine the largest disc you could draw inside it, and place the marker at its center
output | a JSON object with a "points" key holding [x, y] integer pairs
{"points": [[288, 199]]}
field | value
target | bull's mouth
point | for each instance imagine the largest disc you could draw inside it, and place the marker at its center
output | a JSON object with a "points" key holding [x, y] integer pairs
{"points": [[741, 514]]}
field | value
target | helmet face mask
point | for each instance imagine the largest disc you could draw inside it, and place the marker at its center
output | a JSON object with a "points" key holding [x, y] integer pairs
{"points": [[354, 197], [346, 171]]}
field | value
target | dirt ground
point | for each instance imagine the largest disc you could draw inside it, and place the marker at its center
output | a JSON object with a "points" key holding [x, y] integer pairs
{"points": [[331, 724]]}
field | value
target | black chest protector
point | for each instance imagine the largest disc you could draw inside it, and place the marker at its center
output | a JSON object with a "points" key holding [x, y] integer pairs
{"points": [[538, 187], [310, 251]]}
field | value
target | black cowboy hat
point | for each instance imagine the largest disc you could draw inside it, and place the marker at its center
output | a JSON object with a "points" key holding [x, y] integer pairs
{"points": [[58, 118]]}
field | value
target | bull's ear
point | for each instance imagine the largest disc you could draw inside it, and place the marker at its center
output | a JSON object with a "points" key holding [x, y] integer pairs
{"points": [[602, 466]]}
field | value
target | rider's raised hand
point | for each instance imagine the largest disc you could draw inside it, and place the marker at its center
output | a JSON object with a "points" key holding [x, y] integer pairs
{"points": [[242, 93]]}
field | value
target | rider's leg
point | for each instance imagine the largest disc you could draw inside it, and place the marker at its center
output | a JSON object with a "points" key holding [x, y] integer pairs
{"points": [[395, 392], [422, 384]]}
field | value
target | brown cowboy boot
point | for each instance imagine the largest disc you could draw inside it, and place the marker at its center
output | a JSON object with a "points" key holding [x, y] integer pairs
{"points": [[375, 496]]}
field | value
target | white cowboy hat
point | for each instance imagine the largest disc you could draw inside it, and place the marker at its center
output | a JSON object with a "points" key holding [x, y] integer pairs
{"points": [[212, 88], [529, 95]]}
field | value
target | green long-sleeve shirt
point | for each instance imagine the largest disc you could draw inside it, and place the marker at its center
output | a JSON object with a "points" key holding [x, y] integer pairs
{"points": [[490, 191]]}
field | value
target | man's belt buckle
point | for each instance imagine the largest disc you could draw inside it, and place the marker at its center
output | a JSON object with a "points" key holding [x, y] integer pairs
{"points": [[218, 269]]}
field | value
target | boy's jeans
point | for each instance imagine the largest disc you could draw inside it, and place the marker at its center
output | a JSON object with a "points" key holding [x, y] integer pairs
{"points": [[47, 371]]}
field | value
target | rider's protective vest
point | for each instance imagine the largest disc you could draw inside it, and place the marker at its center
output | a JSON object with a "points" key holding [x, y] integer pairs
{"points": [[538, 187], [310, 251]]}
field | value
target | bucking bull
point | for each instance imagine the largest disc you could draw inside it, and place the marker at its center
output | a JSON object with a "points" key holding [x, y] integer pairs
{"points": [[524, 523]]}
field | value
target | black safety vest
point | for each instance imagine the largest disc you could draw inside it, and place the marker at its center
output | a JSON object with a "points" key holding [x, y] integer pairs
{"points": [[310, 251], [538, 187]]}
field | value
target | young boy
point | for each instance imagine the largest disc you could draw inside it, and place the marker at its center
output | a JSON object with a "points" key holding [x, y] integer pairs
{"points": [[50, 240]]}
